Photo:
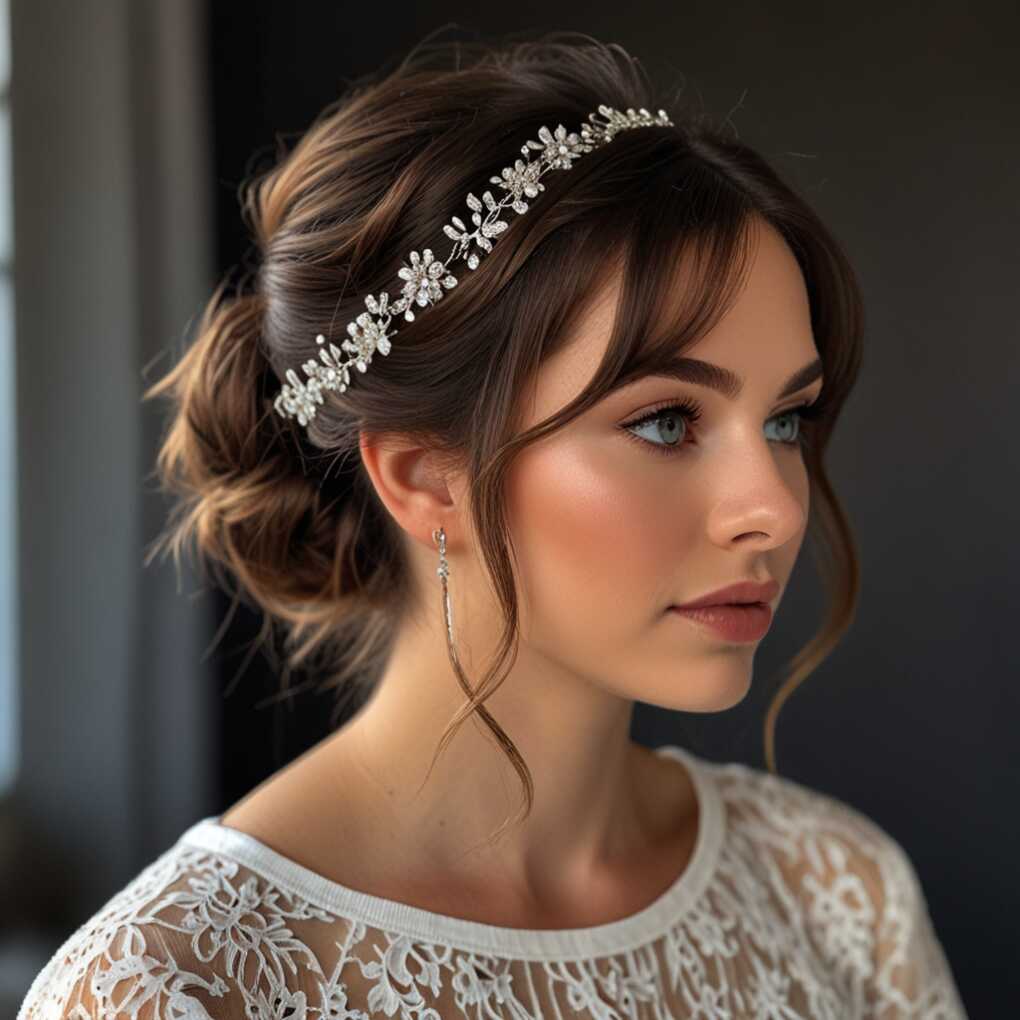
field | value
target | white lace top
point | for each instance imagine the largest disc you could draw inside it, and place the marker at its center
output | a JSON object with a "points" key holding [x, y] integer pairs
{"points": [[792, 905]]}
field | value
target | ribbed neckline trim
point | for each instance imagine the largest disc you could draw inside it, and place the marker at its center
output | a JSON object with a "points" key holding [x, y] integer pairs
{"points": [[617, 936]]}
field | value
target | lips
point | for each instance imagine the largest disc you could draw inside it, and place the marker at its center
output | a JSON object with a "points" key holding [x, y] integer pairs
{"points": [[746, 622], [741, 593]]}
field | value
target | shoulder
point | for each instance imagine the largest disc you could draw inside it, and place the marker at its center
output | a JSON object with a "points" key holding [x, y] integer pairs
{"points": [[777, 809], [174, 942], [818, 839], [116, 954], [848, 883]]}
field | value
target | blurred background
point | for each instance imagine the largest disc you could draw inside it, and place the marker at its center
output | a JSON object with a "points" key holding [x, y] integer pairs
{"points": [[133, 703]]}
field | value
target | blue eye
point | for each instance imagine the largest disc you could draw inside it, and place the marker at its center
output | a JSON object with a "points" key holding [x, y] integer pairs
{"points": [[688, 411]]}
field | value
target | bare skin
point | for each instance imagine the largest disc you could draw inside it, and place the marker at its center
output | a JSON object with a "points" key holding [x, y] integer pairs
{"points": [[609, 533]]}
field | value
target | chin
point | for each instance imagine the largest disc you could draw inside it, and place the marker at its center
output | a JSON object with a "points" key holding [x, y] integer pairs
{"points": [[700, 687]]}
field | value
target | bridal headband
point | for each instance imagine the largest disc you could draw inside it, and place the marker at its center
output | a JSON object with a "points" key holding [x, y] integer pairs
{"points": [[426, 276]]}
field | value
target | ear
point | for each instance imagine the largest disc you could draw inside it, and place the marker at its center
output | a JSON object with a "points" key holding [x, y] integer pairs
{"points": [[421, 493]]}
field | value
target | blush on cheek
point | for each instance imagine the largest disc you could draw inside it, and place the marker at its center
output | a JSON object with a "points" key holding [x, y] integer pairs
{"points": [[597, 549]]}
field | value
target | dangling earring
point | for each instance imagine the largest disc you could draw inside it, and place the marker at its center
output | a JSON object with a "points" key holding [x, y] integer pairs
{"points": [[443, 570]]}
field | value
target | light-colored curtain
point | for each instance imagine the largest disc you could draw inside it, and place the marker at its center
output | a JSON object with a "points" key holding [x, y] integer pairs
{"points": [[113, 241]]}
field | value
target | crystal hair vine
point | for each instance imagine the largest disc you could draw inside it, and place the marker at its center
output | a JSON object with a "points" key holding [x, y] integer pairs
{"points": [[426, 276]]}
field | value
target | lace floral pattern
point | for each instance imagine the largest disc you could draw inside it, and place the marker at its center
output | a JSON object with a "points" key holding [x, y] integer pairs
{"points": [[794, 905]]}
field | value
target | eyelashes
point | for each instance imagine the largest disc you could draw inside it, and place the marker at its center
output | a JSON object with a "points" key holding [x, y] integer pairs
{"points": [[689, 411]]}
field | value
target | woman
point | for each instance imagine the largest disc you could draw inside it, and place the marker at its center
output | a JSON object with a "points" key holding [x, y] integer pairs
{"points": [[579, 477]]}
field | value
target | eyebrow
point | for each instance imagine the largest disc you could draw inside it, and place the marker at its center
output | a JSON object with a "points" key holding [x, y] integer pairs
{"points": [[722, 380]]}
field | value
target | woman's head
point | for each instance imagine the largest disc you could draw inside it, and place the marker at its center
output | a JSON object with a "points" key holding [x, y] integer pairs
{"points": [[668, 241]]}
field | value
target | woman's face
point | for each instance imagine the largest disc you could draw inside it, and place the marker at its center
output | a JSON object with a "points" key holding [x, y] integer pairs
{"points": [[610, 531]]}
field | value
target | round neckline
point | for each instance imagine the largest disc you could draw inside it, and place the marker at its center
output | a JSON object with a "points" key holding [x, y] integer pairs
{"points": [[617, 936]]}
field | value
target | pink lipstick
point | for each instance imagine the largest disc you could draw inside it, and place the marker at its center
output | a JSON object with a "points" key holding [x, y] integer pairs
{"points": [[738, 612], [747, 622]]}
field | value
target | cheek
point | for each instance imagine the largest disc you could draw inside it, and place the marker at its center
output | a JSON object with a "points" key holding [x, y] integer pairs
{"points": [[594, 529]]}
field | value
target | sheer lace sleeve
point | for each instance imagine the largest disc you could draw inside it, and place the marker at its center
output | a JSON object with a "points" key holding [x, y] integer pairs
{"points": [[911, 976], [851, 895], [190, 938]]}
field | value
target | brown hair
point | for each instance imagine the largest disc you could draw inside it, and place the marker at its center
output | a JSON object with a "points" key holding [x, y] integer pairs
{"points": [[291, 512]]}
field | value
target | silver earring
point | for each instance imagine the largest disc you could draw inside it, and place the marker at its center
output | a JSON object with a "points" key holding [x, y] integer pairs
{"points": [[443, 570]]}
